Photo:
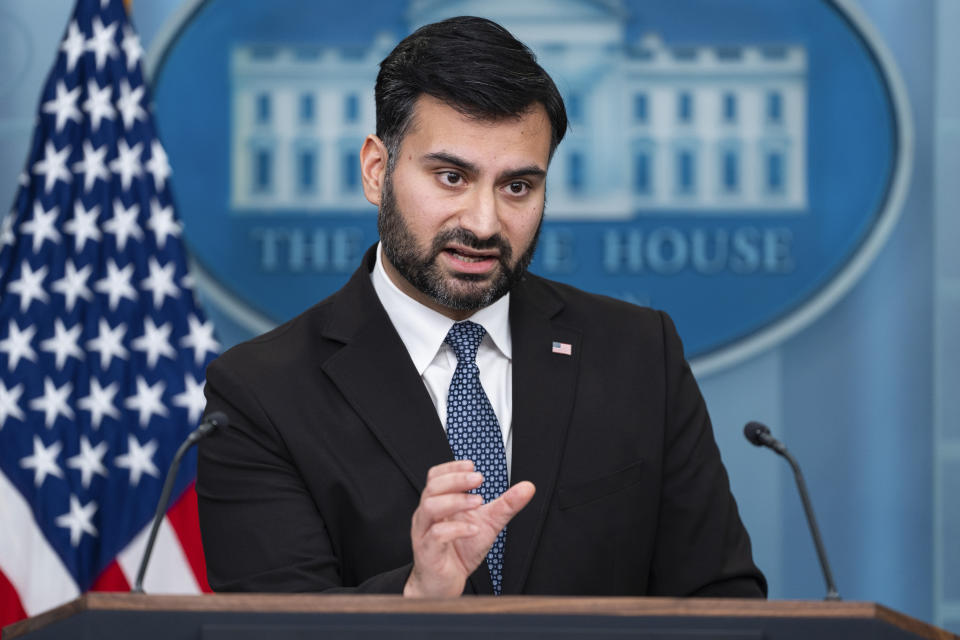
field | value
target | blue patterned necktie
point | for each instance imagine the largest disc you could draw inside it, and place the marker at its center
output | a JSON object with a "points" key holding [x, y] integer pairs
{"points": [[473, 430]]}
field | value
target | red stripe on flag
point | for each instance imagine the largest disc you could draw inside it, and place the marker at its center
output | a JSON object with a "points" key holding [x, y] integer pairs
{"points": [[185, 520], [11, 609], [112, 579]]}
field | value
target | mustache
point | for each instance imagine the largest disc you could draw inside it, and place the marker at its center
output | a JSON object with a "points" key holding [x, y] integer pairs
{"points": [[470, 240]]}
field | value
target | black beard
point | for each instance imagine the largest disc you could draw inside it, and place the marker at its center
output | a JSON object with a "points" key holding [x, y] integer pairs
{"points": [[423, 272]]}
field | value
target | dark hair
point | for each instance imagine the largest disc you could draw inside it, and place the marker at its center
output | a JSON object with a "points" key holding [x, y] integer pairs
{"points": [[474, 65]]}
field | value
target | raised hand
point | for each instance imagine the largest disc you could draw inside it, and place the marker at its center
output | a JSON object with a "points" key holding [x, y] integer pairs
{"points": [[452, 530]]}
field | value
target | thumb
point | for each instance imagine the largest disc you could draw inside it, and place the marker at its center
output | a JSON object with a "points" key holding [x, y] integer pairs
{"points": [[510, 502]]}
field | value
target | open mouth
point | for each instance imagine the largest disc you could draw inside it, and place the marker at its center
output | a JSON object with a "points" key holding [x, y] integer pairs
{"points": [[470, 256]]}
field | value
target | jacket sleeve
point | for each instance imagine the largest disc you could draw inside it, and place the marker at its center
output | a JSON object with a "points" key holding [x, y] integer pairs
{"points": [[261, 528], [702, 548]]}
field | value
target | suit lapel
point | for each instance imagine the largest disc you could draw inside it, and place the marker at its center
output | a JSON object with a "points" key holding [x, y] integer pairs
{"points": [[544, 385], [377, 377]]}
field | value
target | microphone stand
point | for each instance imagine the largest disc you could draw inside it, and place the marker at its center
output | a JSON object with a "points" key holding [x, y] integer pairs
{"points": [[832, 593], [214, 420], [759, 435]]}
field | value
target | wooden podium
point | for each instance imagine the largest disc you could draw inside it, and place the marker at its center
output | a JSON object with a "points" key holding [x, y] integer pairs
{"points": [[107, 616]]}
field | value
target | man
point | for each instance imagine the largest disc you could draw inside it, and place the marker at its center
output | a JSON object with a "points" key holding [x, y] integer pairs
{"points": [[373, 438]]}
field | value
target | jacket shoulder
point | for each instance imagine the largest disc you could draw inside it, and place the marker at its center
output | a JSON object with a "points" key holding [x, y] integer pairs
{"points": [[587, 309], [283, 347]]}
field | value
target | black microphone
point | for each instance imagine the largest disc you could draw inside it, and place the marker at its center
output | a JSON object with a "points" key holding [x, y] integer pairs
{"points": [[213, 421], [759, 435]]}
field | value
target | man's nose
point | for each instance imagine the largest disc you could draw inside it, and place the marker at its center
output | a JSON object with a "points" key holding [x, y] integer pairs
{"points": [[482, 215]]}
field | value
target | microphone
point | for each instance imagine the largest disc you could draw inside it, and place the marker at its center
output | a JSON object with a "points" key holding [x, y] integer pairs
{"points": [[759, 435], [213, 421]]}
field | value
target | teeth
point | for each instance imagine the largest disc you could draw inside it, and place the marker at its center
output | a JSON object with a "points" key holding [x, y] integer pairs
{"points": [[465, 258]]}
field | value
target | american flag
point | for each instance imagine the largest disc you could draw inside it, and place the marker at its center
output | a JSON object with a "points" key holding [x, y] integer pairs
{"points": [[102, 346], [563, 348]]}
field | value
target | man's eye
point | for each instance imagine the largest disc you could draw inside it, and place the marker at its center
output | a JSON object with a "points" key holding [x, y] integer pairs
{"points": [[450, 177], [517, 188]]}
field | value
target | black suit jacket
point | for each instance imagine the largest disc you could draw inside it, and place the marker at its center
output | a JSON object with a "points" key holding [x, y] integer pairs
{"points": [[332, 432]]}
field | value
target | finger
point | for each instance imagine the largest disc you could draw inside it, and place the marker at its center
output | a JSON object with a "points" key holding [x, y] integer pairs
{"points": [[440, 507], [453, 483], [448, 531], [453, 466], [509, 504]]}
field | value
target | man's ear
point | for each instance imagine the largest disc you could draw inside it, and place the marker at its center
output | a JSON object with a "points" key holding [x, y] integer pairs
{"points": [[373, 168]]}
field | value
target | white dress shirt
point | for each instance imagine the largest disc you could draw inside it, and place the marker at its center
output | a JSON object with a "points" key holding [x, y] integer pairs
{"points": [[422, 331]]}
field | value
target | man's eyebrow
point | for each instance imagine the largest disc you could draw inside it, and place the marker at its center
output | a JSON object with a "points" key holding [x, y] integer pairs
{"points": [[531, 171], [449, 158]]}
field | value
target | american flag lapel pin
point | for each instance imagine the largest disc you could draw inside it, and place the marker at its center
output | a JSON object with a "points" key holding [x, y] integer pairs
{"points": [[563, 348]]}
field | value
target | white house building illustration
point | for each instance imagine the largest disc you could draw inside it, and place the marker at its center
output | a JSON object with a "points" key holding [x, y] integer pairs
{"points": [[656, 127]]}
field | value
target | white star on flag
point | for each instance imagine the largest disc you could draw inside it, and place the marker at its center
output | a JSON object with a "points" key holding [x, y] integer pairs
{"points": [[192, 398], [123, 224], [92, 166], [83, 225], [73, 45], [162, 223], [73, 284], [160, 282], [18, 345], [53, 402], [155, 342], [116, 284], [127, 163], [53, 167], [129, 104], [131, 47], [138, 459], [147, 401], [43, 461], [6, 229], [109, 343], [10, 403], [78, 520], [29, 286], [99, 104], [100, 402], [158, 165], [41, 226], [200, 339], [101, 43], [63, 344], [64, 105], [89, 461]]}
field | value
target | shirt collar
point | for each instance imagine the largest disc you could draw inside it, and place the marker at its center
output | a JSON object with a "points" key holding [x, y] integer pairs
{"points": [[422, 329]]}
